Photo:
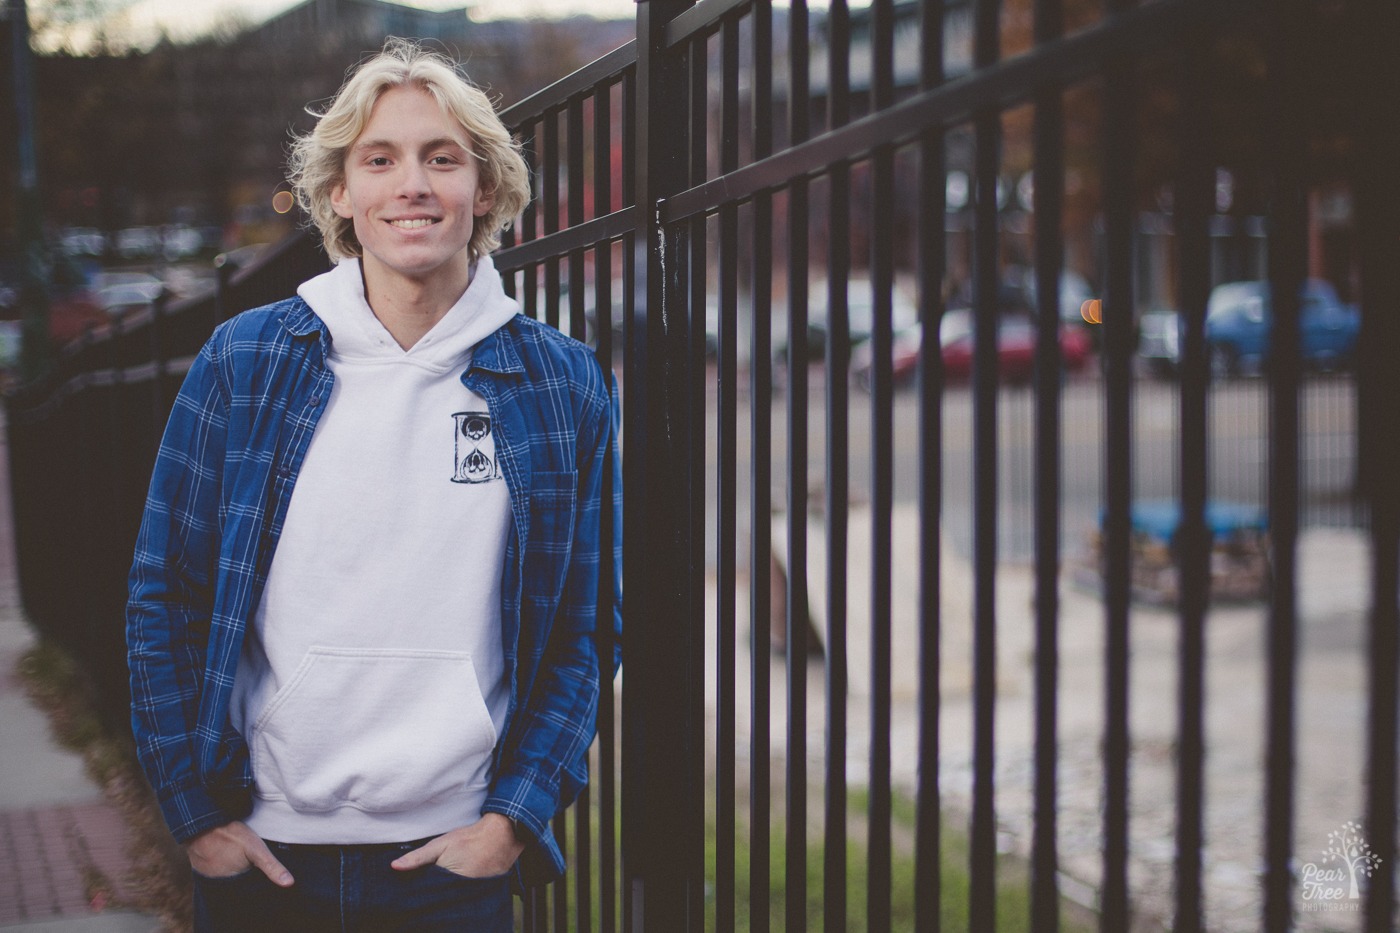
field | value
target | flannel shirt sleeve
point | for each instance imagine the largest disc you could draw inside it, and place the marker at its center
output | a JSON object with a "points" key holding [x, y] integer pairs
{"points": [[170, 599], [545, 764]]}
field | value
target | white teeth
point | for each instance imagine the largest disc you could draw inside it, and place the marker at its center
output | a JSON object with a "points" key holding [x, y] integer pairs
{"points": [[411, 224]]}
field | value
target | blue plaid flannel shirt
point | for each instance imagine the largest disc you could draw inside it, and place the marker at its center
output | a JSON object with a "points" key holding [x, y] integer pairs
{"points": [[223, 477]]}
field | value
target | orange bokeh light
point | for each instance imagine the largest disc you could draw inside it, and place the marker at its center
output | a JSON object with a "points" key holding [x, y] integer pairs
{"points": [[282, 202], [1092, 311]]}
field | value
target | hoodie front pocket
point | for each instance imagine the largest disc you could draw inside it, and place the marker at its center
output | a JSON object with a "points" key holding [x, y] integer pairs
{"points": [[377, 729]]}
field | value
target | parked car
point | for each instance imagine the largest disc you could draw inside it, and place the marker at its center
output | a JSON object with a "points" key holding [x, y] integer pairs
{"points": [[1016, 337], [1239, 324], [126, 296], [180, 242], [72, 308], [1016, 294], [82, 241], [138, 242], [106, 278], [1159, 340]]}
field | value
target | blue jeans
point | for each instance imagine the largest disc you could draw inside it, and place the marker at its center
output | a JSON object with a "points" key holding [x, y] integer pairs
{"points": [[352, 889]]}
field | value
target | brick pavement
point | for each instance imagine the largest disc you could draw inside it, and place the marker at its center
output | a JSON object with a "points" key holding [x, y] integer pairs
{"points": [[61, 861]]}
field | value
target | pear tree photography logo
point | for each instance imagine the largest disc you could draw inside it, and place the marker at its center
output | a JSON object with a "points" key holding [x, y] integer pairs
{"points": [[1335, 883]]}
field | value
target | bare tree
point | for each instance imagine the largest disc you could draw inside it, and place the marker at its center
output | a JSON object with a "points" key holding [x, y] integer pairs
{"points": [[1349, 846]]}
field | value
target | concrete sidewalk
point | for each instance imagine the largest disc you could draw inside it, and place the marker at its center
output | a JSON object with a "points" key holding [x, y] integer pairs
{"points": [[64, 862], [1331, 703]]}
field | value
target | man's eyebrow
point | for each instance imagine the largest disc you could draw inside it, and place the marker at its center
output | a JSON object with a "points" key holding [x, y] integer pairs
{"points": [[438, 143], [446, 141]]}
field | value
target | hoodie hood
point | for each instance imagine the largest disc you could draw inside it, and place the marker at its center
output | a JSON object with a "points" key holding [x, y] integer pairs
{"points": [[338, 298]]}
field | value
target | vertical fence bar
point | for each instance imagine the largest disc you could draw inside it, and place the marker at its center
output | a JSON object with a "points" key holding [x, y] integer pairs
{"points": [[578, 327], [761, 490], [727, 491], [529, 218], [541, 909], [508, 239], [928, 875], [159, 356], [1193, 205], [629, 727], [987, 131], [663, 748], [1287, 262], [607, 724], [529, 911], [693, 261], [1118, 330], [578, 324], [1048, 196], [696, 261], [633, 333], [560, 887], [550, 195], [696, 258], [1377, 192], [799, 123], [223, 271], [583, 855], [882, 476], [88, 408], [837, 479]]}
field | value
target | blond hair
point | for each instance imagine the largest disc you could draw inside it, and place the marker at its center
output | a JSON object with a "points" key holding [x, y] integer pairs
{"points": [[317, 163]]}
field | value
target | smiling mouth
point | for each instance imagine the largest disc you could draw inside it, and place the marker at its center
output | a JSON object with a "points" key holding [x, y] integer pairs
{"points": [[412, 224]]}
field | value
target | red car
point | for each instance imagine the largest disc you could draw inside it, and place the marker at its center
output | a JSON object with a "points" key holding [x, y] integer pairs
{"points": [[1016, 335]]}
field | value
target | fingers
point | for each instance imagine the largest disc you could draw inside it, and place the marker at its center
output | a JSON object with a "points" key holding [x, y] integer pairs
{"points": [[426, 854], [482, 850], [262, 858], [230, 850]]}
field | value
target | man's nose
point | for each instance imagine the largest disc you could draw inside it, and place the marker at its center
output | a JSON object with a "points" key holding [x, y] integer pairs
{"points": [[412, 181]]}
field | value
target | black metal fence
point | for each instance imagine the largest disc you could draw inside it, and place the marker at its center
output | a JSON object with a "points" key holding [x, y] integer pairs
{"points": [[726, 210], [82, 444], [774, 170]]}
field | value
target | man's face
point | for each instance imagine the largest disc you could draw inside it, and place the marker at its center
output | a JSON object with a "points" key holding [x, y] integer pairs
{"points": [[411, 190]]}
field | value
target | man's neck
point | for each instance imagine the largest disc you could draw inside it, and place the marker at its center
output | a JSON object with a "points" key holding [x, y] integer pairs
{"points": [[408, 309]]}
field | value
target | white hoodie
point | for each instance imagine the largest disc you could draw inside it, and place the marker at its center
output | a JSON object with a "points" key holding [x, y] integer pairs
{"points": [[370, 688]]}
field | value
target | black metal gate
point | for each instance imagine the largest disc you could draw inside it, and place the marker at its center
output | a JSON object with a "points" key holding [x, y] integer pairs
{"points": [[751, 212]]}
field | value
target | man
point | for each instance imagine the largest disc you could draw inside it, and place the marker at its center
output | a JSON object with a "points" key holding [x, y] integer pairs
{"points": [[364, 597]]}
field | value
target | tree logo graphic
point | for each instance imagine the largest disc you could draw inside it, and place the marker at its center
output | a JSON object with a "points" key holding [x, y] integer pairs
{"points": [[1336, 884]]}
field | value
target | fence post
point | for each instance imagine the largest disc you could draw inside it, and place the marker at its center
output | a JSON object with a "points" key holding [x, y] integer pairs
{"points": [[158, 356], [663, 738], [223, 272], [1378, 409]]}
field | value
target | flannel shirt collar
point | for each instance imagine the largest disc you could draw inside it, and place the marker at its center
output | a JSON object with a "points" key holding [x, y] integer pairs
{"points": [[497, 354]]}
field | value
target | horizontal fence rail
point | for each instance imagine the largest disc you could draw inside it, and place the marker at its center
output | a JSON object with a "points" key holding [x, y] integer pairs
{"points": [[923, 634]]}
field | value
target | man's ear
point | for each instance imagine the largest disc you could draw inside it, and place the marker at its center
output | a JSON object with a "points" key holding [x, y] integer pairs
{"points": [[485, 200], [340, 200]]}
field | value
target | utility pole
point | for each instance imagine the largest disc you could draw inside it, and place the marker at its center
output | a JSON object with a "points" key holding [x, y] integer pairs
{"points": [[34, 267]]}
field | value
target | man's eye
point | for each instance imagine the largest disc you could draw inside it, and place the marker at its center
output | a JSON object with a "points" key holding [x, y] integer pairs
{"points": [[379, 161], [442, 160]]}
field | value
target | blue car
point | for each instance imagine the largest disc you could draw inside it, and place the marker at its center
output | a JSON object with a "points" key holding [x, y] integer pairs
{"points": [[1238, 325]]}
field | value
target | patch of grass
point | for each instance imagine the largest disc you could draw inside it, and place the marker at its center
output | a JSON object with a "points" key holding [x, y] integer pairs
{"points": [[1013, 891]]}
